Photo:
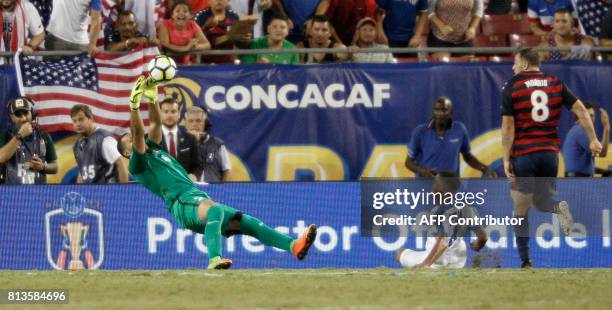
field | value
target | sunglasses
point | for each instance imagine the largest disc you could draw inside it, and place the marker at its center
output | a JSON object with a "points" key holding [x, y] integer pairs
{"points": [[20, 113]]}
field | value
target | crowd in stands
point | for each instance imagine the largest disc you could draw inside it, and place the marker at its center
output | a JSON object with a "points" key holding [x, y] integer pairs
{"points": [[183, 26], [27, 154]]}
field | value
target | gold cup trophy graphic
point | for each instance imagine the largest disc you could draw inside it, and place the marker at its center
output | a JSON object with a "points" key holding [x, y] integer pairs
{"points": [[75, 237]]}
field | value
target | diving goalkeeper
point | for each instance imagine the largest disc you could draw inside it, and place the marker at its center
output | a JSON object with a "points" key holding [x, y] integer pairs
{"points": [[159, 172]]}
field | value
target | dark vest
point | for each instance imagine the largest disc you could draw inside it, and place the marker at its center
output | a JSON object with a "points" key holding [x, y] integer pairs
{"points": [[92, 165], [17, 168], [211, 161], [328, 57]]}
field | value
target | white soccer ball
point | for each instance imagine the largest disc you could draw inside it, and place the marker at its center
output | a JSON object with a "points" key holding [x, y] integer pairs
{"points": [[162, 68]]}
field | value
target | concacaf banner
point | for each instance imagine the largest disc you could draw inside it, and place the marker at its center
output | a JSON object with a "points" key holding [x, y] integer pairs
{"points": [[347, 121]]}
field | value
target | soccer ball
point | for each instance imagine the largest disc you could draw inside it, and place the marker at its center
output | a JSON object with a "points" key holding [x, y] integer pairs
{"points": [[162, 68]]}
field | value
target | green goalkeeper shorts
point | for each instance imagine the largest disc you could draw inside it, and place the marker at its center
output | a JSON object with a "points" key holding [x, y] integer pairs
{"points": [[185, 210]]}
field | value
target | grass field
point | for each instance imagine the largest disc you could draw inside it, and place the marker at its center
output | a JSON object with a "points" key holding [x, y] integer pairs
{"points": [[323, 288]]}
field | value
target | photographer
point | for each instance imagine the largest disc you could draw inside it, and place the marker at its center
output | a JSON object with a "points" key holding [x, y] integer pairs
{"points": [[28, 154]]}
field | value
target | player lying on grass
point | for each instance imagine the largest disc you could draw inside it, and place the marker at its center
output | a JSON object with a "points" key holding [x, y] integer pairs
{"points": [[447, 249], [159, 172], [444, 251]]}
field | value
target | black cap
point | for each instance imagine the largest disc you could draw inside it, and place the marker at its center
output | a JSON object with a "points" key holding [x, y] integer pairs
{"points": [[20, 104]]}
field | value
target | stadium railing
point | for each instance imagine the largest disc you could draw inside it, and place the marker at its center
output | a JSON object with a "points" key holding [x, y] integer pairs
{"points": [[492, 51]]}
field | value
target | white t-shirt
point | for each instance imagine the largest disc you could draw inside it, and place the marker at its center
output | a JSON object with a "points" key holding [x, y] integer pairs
{"points": [[109, 150], [70, 18], [374, 57], [32, 19]]}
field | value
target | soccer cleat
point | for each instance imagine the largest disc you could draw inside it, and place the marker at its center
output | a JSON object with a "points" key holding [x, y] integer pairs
{"points": [[301, 245], [220, 263], [526, 264], [136, 94], [565, 218]]}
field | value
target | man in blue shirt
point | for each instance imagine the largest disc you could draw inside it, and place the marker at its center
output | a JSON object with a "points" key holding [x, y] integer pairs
{"points": [[400, 20], [435, 146], [578, 158], [434, 153]]}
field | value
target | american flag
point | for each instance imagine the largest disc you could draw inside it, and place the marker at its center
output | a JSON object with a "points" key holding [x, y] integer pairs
{"points": [[103, 83], [591, 13]]}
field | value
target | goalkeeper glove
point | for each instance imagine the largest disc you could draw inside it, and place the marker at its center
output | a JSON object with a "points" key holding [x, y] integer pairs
{"points": [[136, 94], [150, 90]]}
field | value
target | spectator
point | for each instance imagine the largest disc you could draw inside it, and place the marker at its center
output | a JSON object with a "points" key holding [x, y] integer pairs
{"points": [[590, 15], [563, 35], [180, 34], [320, 36], [277, 33], [125, 35], [95, 150], [345, 14], [177, 141], [434, 153], [26, 153], [297, 12], [144, 12], [110, 14], [540, 14], [435, 146], [216, 21], [577, 154], [366, 38], [216, 166], [605, 36], [19, 20], [255, 8], [453, 24], [400, 20], [195, 5], [68, 24]]}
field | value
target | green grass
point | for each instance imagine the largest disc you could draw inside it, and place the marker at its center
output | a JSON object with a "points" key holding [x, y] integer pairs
{"points": [[323, 288]]}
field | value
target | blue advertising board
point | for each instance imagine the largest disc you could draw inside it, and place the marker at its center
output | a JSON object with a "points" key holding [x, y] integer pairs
{"points": [[126, 227]]}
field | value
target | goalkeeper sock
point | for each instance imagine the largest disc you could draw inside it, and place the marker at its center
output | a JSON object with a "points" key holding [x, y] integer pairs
{"points": [[212, 231], [254, 227]]}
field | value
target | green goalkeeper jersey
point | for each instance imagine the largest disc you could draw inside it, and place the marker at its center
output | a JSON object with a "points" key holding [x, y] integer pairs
{"points": [[161, 173]]}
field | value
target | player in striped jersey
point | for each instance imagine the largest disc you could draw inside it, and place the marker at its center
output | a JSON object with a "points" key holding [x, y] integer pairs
{"points": [[531, 107]]}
